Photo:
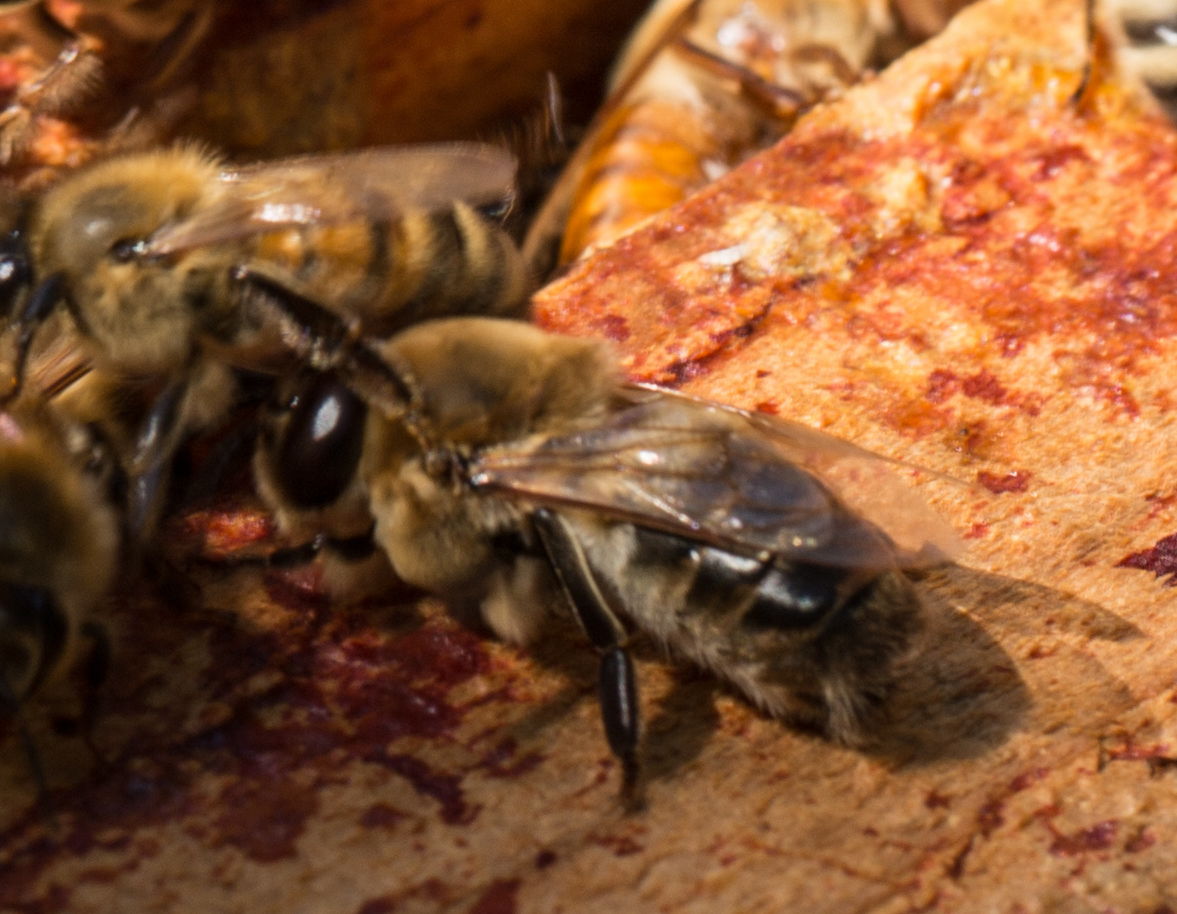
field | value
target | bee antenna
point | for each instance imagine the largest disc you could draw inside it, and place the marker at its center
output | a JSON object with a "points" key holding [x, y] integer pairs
{"points": [[314, 333]]}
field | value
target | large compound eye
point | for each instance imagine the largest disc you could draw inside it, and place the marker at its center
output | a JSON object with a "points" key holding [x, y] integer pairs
{"points": [[15, 272], [127, 249], [317, 453]]}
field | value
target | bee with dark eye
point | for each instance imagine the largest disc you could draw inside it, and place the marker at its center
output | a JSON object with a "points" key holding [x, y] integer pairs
{"points": [[59, 550], [701, 86], [77, 60], [511, 471], [158, 258]]}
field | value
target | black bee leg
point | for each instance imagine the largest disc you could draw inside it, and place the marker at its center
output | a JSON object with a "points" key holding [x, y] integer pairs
{"points": [[95, 670], [325, 342], [37, 308], [350, 549], [150, 462], [10, 707], [617, 685]]}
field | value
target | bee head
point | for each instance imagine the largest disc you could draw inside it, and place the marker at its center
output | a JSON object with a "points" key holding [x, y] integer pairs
{"points": [[485, 380], [93, 229]]}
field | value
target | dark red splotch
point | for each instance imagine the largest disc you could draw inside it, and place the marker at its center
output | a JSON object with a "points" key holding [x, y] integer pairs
{"points": [[445, 788], [343, 685], [1158, 504], [1027, 779], [1141, 841], [1161, 560], [503, 760], [982, 385], [499, 898], [1098, 837], [264, 818], [1132, 751], [385, 904], [1013, 481], [381, 815], [613, 327], [976, 531], [544, 859], [937, 800], [991, 817], [620, 845]]}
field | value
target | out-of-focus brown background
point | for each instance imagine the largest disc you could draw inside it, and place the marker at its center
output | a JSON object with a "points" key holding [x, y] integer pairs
{"points": [[957, 264]]}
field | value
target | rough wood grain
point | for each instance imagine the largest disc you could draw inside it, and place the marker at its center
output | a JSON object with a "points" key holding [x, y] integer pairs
{"points": [[952, 265]]}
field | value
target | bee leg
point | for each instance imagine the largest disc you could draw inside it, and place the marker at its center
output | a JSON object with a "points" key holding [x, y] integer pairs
{"points": [[776, 100], [10, 707], [95, 671], [74, 72], [617, 684], [325, 342], [351, 549], [37, 308], [150, 461]]}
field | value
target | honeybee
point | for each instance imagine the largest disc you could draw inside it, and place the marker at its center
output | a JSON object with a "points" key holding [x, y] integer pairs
{"points": [[159, 258], [703, 84], [60, 540], [1142, 36], [519, 474], [80, 58]]}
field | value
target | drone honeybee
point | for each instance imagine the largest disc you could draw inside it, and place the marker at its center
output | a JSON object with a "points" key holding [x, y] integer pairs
{"points": [[60, 542], [79, 58], [513, 471], [702, 85], [158, 258]]}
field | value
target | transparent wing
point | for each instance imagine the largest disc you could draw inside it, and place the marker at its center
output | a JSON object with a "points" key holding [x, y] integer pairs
{"points": [[741, 481], [332, 189]]}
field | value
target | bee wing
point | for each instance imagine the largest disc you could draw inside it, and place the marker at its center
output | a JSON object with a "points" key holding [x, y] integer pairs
{"points": [[331, 189], [740, 481]]}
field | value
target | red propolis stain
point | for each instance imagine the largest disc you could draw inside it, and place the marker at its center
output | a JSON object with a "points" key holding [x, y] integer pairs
{"points": [[381, 815], [1141, 841], [382, 905], [499, 898], [1027, 778], [445, 788], [1013, 481], [264, 819], [1161, 560], [991, 817], [1098, 837]]}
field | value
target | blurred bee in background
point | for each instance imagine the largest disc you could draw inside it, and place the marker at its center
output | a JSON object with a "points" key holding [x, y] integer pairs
{"points": [[77, 60], [1140, 37], [158, 258], [511, 471], [60, 539], [699, 87]]}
